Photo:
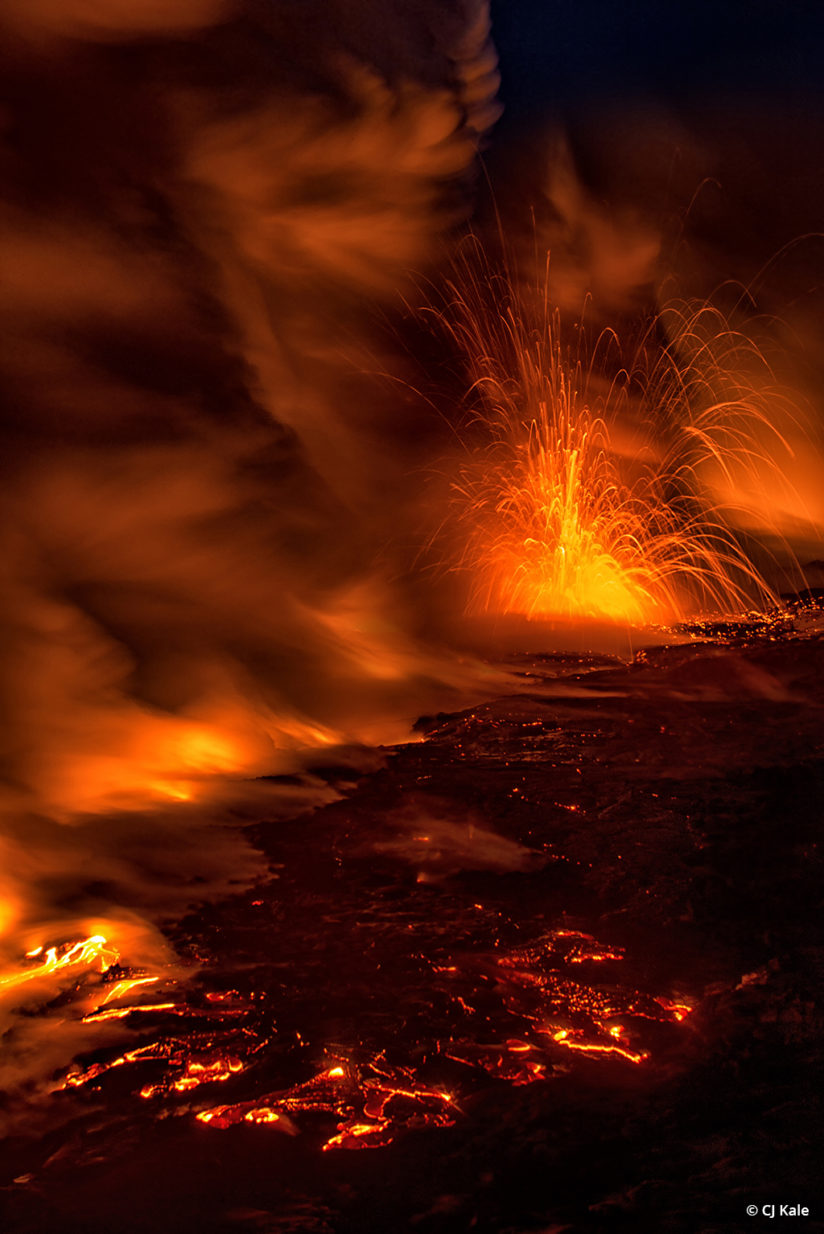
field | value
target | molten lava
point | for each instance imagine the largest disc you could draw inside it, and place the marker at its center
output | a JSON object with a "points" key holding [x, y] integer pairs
{"points": [[550, 521], [511, 1013], [372, 1102], [72, 958]]}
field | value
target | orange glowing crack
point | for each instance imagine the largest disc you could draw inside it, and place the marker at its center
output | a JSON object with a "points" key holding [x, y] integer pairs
{"points": [[562, 1038], [208, 1116], [536, 1070], [584, 957], [197, 1073], [76, 1079], [415, 1094], [207, 1073], [374, 1100], [495, 1062]]}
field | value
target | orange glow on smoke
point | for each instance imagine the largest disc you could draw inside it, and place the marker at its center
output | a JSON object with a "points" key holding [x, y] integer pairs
{"points": [[550, 521], [140, 758], [147, 758]]}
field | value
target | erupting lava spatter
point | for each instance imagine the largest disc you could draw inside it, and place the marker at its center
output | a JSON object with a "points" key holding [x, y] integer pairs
{"points": [[551, 522]]}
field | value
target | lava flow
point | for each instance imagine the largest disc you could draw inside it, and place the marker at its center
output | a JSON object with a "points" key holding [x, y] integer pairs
{"points": [[372, 1102], [532, 1012], [70, 959]]}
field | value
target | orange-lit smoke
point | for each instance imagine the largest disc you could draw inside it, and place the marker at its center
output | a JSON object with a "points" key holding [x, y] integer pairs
{"points": [[189, 524], [111, 20], [192, 238]]}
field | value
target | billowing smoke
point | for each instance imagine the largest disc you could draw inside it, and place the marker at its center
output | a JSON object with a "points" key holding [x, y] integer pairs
{"points": [[191, 240], [104, 20], [203, 206]]}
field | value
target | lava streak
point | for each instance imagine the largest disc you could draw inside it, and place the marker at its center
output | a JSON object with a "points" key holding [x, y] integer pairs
{"points": [[564, 1037], [549, 520], [71, 958]]}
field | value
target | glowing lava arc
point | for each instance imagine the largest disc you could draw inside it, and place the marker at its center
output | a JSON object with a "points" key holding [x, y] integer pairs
{"points": [[548, 520]]}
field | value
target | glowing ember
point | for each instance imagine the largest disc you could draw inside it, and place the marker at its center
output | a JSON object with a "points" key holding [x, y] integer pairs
{"points": [[551, 522]]}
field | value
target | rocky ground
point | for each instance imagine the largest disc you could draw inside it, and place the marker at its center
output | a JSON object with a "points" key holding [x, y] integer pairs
{"points": [[554, 967]]}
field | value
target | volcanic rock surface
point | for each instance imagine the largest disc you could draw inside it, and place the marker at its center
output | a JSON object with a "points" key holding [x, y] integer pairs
{"points": [[554, 967]]}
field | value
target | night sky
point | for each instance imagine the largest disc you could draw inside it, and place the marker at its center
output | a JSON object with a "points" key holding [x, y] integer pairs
{"points": [[705, 120], [563, 55]]}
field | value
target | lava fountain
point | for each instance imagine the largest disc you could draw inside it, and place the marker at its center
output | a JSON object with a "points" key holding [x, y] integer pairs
{"points": [[552, 518]]}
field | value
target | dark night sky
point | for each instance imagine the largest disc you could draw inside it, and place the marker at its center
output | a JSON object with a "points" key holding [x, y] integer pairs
{"points": [[560, 53], [656, 99]]}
